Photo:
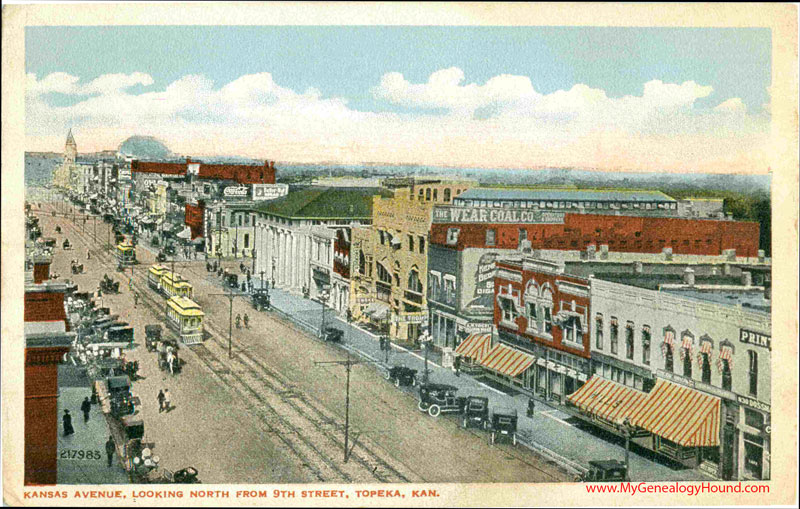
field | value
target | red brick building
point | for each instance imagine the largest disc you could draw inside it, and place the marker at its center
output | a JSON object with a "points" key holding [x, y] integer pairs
{"points": [[627, 234], [239, 173], [195, 215], [543, 314], [45, 303], [43, 353]]}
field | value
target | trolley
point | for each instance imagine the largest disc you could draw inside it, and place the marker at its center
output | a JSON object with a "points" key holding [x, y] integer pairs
{"points": [[172, 285], [154, 276], [185, 317], [126, 255]]}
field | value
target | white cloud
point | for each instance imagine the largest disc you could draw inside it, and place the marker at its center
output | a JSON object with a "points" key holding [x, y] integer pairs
{"points": [[503, 122]]}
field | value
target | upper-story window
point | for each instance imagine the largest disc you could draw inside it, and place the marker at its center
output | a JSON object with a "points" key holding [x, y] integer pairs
{"points": [[421, 244], [508, 310], [752, 372], [491, 237], [447, 195], [411, 243], [452, 236], [629, 340], [614, 335], [646, 344], [414, 283], [598, 331]]}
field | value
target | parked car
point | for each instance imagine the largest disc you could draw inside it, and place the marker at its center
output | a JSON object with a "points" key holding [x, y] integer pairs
{"points": [[261, 299], [476, 412], [605, 471], [332, 334], [402, 376], [504, 424], [438, 398]]}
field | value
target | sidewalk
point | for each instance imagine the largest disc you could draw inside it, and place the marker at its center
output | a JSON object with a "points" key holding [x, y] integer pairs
{"points": [[550, 428], [82, 455]]}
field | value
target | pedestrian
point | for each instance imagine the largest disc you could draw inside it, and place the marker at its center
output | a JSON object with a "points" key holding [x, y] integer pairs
{"points": [[110, 448], [167, 406], [246, 321], [457, 365], [130, 283], [135, 300], [86, 406], [531, 406], [238, 321], [170, 358], [67, 421], [161, 398]]}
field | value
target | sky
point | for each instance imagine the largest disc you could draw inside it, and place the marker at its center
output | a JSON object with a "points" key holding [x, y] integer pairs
{"points": [[608, 98]]}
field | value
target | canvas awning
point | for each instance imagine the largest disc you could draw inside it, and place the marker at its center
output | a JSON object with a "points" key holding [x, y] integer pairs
{"points": [[377, 310], [680, 414], [507, 361], [475, 346], [606, 399], [185, 234]]}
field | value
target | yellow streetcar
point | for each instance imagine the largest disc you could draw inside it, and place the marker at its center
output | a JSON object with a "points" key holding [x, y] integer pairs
{"points": [[186, 318], [154, 276], [126, 255], [172, 285]]}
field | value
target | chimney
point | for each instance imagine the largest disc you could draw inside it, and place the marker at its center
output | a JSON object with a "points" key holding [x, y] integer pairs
{"points": [[747, 279], [688, 276]]}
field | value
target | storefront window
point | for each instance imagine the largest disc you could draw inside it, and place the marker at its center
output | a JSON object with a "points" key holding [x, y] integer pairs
{"points": [[507, 308], [753, 455], [754, 419]]}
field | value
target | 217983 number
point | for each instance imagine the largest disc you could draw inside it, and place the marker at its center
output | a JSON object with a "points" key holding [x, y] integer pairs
{"points": [[75, 454]]}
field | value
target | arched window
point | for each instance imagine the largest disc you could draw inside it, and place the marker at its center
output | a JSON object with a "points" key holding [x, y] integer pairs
{"points": [[547, 310], [383, 274], [532, 311], [414, 283], [447, 194]]}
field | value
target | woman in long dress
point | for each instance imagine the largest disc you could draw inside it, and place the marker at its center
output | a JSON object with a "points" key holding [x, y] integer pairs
{"points": [[67, 420]]}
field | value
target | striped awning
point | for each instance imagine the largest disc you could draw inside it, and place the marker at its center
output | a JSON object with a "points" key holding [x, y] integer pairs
{"points": [[507, 361], [680, 414], [476, 346], [725, 354], [606, 399], [705, 348]]}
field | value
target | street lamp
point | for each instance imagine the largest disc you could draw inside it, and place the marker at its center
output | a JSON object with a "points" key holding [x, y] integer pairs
{"points": [[272, 275], [324, 295], [425, 341], [627, 430]]}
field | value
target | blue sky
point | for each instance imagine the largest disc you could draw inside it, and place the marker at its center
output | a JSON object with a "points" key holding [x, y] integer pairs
{"points": [[346, 62], [438, 75]]}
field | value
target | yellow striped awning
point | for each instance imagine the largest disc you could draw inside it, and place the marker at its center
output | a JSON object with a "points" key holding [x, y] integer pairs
{"points": [[476, 346], [507, 361], [680, 414], [606, 399]]}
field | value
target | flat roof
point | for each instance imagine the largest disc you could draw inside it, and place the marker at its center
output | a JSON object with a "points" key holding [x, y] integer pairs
{"points": [[484, 193]]}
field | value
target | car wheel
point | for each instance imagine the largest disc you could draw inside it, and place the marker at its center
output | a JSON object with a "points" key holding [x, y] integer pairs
{"points": [[388, 376], [397, 382], [434, 411], [423, 407], [464, 423], [514, 439], [492, 438]]}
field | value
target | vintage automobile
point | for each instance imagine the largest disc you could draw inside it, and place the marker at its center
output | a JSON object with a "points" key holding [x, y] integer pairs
{"points": [[186, 476], [108, 285], [161, 257], [438, 398], [58, 229], [402, 376], [504, 424], [261, 299], [332, 334], [77, 268], [152, 335], [604, 471], [476, 412], [119, 334], [232, 281], [49, 242], [66, 245]]}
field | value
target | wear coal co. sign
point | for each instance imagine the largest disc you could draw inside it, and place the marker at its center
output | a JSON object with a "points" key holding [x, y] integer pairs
{"points": [[235, 192], [755, 338], [452, 214]]}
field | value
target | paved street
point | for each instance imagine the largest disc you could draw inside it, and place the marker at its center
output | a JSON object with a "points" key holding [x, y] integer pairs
{"points": [[218, 431]]}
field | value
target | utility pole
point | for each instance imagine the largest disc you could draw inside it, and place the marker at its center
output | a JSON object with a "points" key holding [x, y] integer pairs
{"points": [[230, 295], [348, 364]]}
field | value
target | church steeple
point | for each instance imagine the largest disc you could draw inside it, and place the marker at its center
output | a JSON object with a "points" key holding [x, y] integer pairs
{"points": [[70, 149]]}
